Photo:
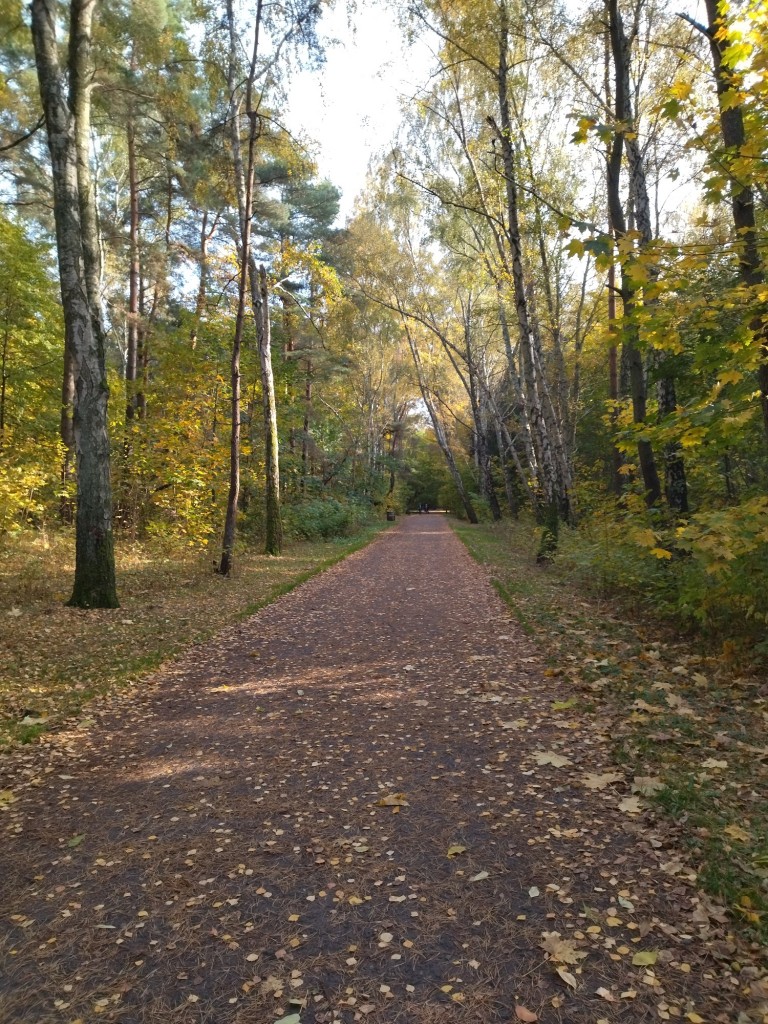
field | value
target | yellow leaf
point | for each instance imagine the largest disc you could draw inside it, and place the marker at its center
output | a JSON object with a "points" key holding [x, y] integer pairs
{"points": [[737, 832], [393, 800], [455, 850], [661, 553], [567, 977]]}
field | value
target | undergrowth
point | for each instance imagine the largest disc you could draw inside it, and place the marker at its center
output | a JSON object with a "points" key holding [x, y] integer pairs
{"points": [[684, 711]]}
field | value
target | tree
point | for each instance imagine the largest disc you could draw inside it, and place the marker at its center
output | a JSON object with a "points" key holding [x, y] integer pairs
{"points": [[66, 104]]}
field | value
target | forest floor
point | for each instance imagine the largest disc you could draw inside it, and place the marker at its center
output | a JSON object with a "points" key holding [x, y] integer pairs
{"points": [[373, 800], [54, 660]]}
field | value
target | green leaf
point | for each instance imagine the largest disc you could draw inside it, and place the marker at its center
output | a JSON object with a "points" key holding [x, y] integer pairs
{"points": [[645, 959], [75, 841]]}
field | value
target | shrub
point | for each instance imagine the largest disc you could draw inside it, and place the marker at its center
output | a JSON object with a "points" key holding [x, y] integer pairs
{"points": [[324, 518]]}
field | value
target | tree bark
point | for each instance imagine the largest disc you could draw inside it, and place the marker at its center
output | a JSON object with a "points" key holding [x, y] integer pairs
{"points": [[134, 276], [751, 267], [555, 494], [437, 426], [78, 258], [273, 541], [244, 187], [631, 344]]}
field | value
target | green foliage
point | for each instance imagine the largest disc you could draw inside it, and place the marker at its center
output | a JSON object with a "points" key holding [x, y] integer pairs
{"points": [[706, 573], [325, 518], [31, 361]]}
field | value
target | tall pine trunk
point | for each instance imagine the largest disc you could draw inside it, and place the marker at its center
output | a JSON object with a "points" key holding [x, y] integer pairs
{"points": [[67, 114]]}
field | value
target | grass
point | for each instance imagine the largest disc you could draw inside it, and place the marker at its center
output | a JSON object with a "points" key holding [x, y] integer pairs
{"points": [[56, 659], [681, 713]]}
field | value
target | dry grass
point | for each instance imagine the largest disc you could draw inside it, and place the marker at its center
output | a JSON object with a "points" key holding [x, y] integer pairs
{"points": [[54, 659]]}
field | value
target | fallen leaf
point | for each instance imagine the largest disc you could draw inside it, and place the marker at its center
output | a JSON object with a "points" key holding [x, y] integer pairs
{"points": [[593, 781], [75, 841], [393, 800], [645, 958], [479, 877], [563, 950], [631, 805], [567, 977], [737, 832], [647, 785], [524, 1014], [292, 1018], [455, 850], [551, 757]]}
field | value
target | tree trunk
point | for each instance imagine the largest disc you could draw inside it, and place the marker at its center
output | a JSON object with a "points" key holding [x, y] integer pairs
{"points": [[77, 250], [244, 187], [305, 426], [134, 274], [631, 347], [751, 268], [437, 426], [273, 542], [555, 495]]}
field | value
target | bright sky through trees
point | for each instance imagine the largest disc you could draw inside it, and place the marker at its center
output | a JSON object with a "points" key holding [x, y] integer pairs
{"points": [[351, 108]]}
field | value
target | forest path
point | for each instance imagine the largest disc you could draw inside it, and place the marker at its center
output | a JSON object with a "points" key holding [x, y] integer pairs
{"points": [[230, 846]]}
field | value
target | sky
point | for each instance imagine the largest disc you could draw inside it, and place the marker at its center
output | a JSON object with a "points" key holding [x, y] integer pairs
{"points": [[350, 108]]}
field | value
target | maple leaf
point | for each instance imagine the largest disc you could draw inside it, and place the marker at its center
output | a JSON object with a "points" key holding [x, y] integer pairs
{"points": [[631, 805], [563, 950], [551, 757], [593, 781], [647, 785]]}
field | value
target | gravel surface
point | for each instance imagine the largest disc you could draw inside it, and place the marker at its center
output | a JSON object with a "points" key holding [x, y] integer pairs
{"points": [[363, 803]]}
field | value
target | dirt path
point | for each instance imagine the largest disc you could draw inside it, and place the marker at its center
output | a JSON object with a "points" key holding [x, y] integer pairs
{"points": [[232, 846]]}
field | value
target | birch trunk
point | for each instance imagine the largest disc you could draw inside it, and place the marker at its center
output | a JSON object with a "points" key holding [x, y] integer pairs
{"points": [[273, 542], [437, 426], [554, 495]]}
